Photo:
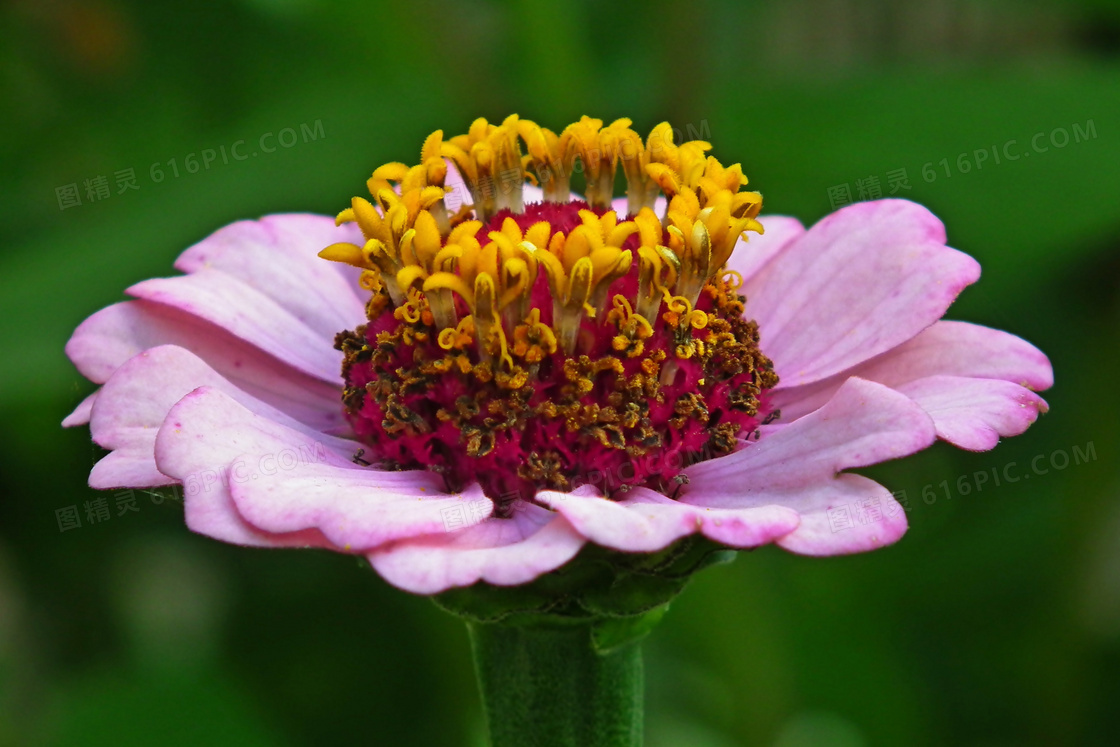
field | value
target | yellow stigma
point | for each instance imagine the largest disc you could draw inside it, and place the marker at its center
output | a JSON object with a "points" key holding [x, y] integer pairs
{"points": [[478, 276]]}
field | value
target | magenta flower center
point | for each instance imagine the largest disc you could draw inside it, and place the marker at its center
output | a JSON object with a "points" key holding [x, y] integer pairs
{"points": [[634, 402], [550, 345]]}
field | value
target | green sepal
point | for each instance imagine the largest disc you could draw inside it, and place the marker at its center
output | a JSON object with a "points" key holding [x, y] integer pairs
{"points": [[597, 584], [608, 636], [630, 594]]}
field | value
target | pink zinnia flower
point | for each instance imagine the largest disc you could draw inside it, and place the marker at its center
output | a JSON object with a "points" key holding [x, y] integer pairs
{"points": [[493, 374]]}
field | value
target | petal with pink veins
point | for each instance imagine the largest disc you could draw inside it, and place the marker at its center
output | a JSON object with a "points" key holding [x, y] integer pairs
{"points": [[199, 444], [797, 467], [249, 314], [974, 413], [355, 508], [974, 359], [104, 341], [647, 521], [504, 552], [132, 405], [278, 256], [964, 349], [858, 283]]}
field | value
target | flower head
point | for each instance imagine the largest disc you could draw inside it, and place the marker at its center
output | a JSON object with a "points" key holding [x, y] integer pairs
{"points": [[517, 370]]}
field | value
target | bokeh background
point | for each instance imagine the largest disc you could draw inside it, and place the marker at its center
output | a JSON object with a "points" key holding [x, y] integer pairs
{"points": [[995, 621]]}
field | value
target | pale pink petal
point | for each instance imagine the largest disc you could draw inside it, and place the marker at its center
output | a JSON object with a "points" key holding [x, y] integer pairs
{"points": [[858, 283], [80, 415], [278, 256], [128, 466], [134, 402], [847, 515], [797, 466], [355, 508], [974, 359], [750, 256], [504, 552], [248, 314], [104, 341], [200, 444], [458, 194], [621, 205], [531, 194], [943, 349], [963, 349], [974, 413], [646, 521]]}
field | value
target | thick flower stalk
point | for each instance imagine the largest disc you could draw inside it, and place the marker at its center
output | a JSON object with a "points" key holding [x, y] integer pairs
{"points": [[490, 375]]}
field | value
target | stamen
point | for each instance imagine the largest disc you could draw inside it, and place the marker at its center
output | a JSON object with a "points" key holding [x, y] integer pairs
{"points": [[553, 165], [489, 159], [492, 352], [674, 167], [598, 149]]}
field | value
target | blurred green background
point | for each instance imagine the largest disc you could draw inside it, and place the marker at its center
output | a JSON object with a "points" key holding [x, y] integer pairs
{"points": [[995, 621]]}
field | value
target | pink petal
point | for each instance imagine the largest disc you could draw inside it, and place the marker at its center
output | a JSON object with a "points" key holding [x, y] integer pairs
{"points": [[104, 341], [796, 466], [974, 413], [647, 521], [750, 256], [990, 361], [848, 515], [504, 552], [963, 349], [134, 402], [858, 283], [209, 440], [80, 415], [129, 465], [278, 256], [355, 508], [249, 314]]}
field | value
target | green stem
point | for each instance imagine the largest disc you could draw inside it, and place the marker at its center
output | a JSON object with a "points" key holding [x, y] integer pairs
{"points": [[547, 687]]}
